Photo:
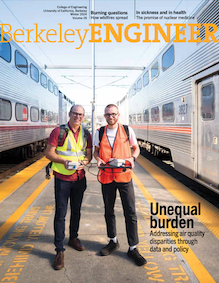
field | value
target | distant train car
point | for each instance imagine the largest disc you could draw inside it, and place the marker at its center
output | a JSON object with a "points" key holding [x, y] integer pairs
{"points": [[174, 104], [29, 102], [123, 109], [65, 105]]}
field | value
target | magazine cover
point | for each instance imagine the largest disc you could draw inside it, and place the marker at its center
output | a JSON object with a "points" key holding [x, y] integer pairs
{"points": [[158, 63]]}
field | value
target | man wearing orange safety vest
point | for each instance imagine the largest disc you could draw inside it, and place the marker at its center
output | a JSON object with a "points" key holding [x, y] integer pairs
{"points": [[112, 141], [76, 147]]}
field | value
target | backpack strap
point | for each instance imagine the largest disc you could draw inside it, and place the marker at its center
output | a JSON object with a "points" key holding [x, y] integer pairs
{"points": [[101, 131], [86, 134], [63, 130], [126, 128]]}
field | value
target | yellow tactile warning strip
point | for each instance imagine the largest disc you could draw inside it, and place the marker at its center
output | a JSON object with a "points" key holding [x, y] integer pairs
{"points": [[18, 213], [209, 213], [12, 184], [198, 269]]}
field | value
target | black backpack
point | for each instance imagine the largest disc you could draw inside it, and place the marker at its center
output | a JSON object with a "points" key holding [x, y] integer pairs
{"points": [[63, 130]]}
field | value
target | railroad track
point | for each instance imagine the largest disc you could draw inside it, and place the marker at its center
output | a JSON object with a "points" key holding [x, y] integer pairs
{"points": [[9, 168]]}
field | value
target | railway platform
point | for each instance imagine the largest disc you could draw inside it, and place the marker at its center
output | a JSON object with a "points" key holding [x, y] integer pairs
{"points": [[186, 250]]}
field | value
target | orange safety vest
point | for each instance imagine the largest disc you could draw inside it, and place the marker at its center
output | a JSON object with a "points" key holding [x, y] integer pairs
{"points": [[120, 150]]}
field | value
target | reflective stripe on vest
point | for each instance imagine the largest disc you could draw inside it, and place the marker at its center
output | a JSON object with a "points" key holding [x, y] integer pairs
{"points": [[120, 150], [71, 151]]}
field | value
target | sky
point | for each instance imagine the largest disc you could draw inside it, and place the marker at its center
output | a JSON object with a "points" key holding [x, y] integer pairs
{"points": [[111, 85]]}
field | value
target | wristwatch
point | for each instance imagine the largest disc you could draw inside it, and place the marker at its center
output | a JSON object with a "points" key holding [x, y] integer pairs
{"points": [[133, 158]]}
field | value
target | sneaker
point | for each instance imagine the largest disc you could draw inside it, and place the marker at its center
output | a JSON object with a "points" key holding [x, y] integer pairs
{"points": [[135, 255], [111, 247], [59, 261], [76, 244]]}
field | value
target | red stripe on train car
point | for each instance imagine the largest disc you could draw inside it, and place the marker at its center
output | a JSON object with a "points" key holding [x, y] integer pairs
{"points": [[184, 130], [15, 128]]}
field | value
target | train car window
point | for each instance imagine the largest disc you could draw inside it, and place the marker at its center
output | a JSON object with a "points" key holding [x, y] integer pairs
{"points": [[43, 115], [21, 112], [130, 118], [5, 110], [139, 118], [154, 71], [34, 114], [139, 85], [55, 117], [208, 102], [5, 50], [134, 89], [155, 115], [168, 112], [146, 79], [146, 116], [21, 62], [50, 86], [34, 73], [43, 80], [134, 118], [168, 58], [56, 92], [50, 116]]}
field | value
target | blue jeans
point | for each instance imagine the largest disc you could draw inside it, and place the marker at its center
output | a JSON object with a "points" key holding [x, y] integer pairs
{"points": [[63, 191]]}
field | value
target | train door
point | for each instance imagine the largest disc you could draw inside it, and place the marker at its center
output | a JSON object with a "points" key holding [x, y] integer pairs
{"points": [[208, 131]]}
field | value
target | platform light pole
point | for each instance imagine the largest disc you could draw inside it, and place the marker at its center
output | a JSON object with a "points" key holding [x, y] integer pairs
{"points": [[93, 82]]}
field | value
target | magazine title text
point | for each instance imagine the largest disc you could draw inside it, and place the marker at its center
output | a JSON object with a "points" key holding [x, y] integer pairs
{"points": [[176, 222], [133, 33]]}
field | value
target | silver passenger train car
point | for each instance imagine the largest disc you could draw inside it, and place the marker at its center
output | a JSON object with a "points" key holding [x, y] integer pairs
{"points": [[29, 102], [174, 104]]}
